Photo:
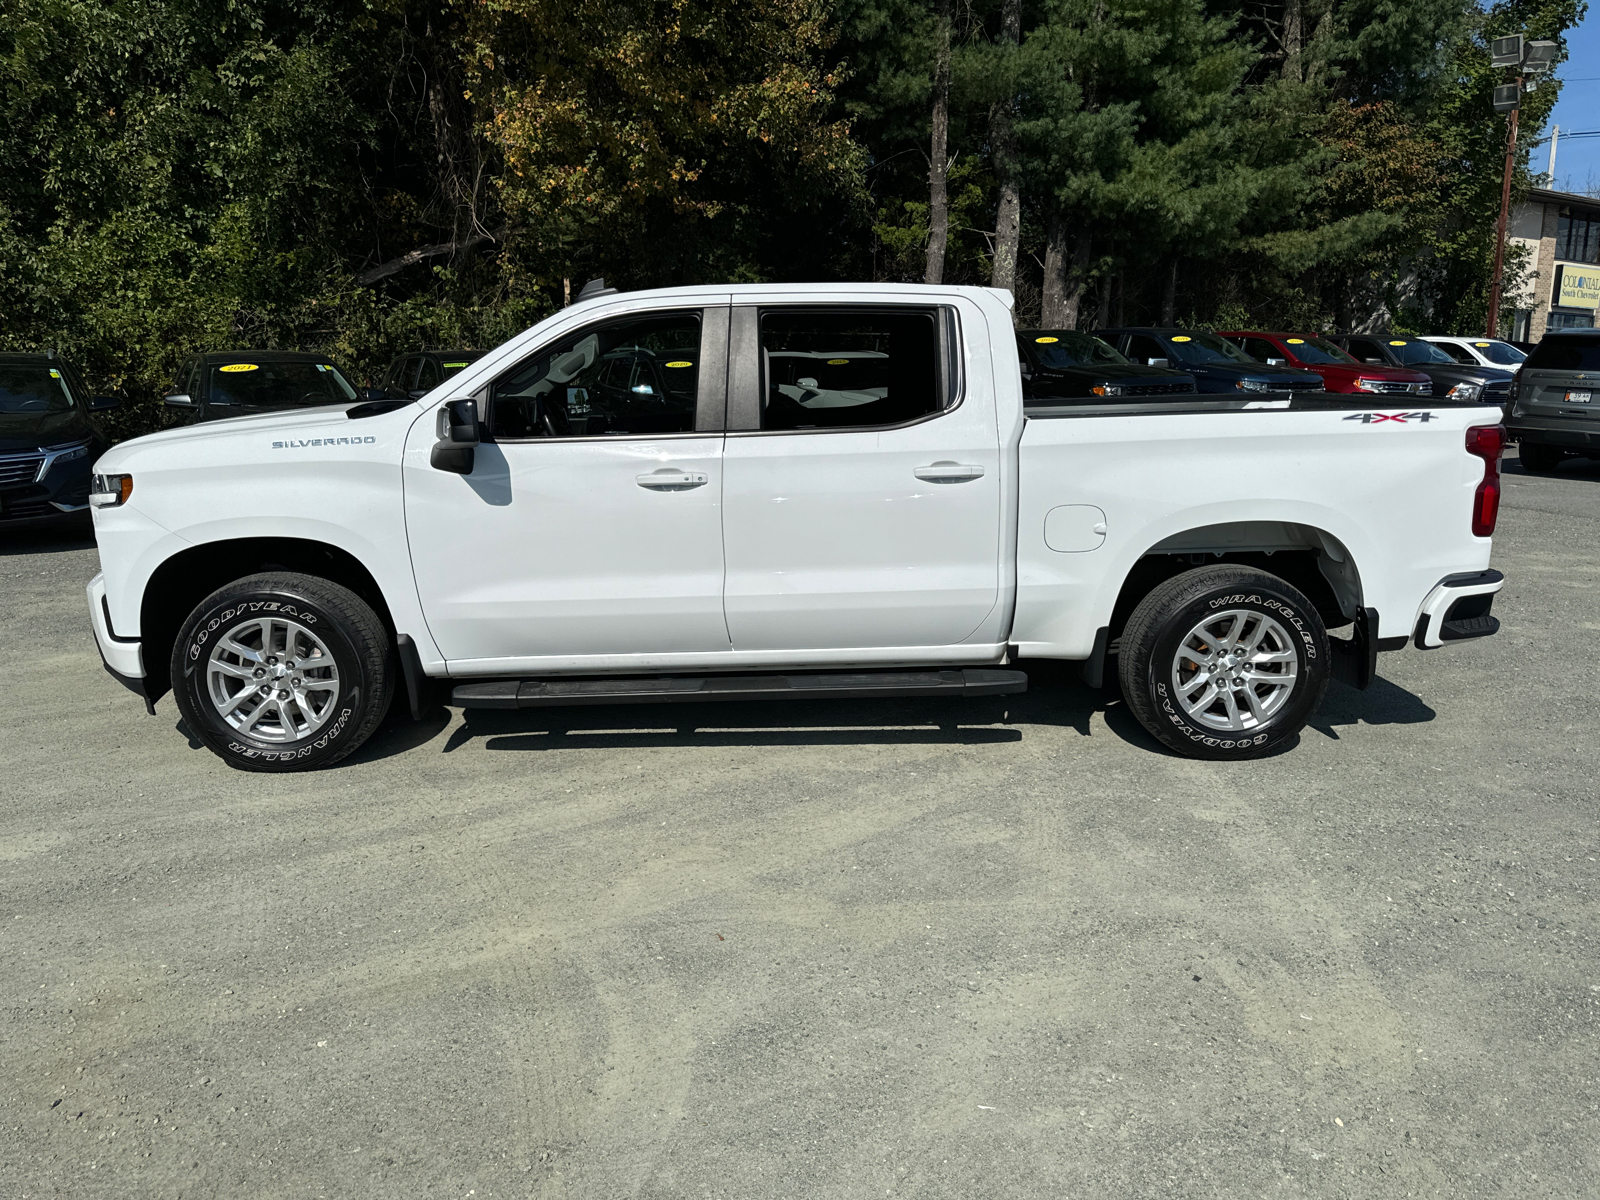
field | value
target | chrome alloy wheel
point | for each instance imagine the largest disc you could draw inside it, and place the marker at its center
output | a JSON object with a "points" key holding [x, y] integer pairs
{"points": [[1235, 670], [273, 679]]}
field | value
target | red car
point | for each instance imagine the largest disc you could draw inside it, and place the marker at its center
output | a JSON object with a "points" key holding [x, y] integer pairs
{"points": [[1340, 372]]}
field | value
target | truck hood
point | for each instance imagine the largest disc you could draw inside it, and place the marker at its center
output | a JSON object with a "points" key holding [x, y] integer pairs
{"points": [[263, 427]]}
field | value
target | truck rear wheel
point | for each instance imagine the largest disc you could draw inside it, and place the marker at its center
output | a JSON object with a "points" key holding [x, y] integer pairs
{"points": [[1224, 662], [282, 672]]}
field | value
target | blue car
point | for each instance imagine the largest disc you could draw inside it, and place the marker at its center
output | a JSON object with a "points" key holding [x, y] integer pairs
{"points": [[1217, 365]]}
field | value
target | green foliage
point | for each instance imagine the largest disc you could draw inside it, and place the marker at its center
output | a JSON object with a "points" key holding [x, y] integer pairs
{"points": [[369, 176]]}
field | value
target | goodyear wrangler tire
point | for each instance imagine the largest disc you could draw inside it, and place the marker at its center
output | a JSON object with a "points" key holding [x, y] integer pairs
{"points": [[1224, 662], [282, 672]]}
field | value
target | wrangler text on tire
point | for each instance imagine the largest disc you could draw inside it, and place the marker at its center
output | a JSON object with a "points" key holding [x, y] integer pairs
{"points": [[282, 672], [1224, 662]]}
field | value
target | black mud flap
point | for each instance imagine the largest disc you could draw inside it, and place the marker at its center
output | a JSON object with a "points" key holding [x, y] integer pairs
{"points": [[1355, 658]]}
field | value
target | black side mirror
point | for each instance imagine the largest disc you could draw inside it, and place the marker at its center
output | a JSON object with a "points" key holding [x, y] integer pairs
{"points": [[104, 403], [374, 393], [459, 436], [179, 400]]}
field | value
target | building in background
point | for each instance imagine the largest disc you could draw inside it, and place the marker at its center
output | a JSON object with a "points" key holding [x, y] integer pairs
{"points": [[1562, 233]]}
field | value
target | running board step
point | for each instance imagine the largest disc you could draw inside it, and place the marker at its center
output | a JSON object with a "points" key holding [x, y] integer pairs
{"points": [[539, 693]]}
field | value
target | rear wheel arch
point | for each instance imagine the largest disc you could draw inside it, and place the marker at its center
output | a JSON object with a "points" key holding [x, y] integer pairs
{"points": [[1310, 559], [188, 577]]}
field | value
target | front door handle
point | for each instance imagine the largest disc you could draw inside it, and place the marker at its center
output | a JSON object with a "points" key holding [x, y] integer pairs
{"points": [[949, 472], [669, 480]]}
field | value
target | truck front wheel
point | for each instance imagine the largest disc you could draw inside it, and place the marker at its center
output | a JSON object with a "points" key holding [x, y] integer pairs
{"points": [[282, 672], [1224, 662]]}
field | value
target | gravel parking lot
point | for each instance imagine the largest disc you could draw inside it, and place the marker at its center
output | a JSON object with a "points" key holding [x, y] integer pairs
{"points": [[918, 948]]}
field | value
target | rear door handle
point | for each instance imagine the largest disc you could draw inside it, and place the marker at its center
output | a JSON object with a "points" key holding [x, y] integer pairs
{"points": [[949, 472], [669, 480]]}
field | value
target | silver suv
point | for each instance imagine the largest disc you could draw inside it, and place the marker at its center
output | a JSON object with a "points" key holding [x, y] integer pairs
{"points": [[1555, 401]]}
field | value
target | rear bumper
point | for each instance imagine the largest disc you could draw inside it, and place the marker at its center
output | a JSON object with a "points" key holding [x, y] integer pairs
{"points": [[1572, 434], [1458, 609]]}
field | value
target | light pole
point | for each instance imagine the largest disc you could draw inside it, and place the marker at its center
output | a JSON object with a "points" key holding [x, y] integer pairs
{"points": [[1526, 58]]}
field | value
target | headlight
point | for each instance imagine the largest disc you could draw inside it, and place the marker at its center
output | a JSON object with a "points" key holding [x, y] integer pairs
{"points": [[110, 491], [1369, 385], [1466, 392], [1106, 389], [1254, 385], [60, 454]]}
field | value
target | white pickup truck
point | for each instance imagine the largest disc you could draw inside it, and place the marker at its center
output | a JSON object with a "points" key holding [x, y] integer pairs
{"points": [[782, 491]]}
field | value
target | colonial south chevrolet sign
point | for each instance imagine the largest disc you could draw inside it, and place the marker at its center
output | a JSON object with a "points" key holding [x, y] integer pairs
{"points": [[1576, 287]]}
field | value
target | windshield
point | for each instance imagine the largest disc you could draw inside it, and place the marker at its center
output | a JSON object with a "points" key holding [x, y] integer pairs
{"points": [[459, 361], [32, 388], [1565, 352], [279, 384], [1500, 353], [1418, 353], [1198, 349], [1062, 349], [1315, 350]]}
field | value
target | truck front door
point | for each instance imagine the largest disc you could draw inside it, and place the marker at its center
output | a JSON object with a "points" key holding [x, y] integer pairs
{"points": [[862, 493], [591, 523]]}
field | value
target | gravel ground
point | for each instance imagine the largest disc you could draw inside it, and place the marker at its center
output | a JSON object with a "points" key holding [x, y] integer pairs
{"points": [[921, 948]]}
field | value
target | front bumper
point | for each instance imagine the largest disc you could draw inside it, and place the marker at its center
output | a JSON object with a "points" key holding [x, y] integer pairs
{"points": [[123, 657], [1458, 609]]}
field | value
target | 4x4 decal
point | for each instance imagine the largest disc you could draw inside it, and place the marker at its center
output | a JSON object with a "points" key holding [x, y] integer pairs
{"points": [[1372, 418]]}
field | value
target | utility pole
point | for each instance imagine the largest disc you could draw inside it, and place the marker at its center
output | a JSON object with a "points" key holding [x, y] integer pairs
{"points": [[1555, 136], [1526, 58]]}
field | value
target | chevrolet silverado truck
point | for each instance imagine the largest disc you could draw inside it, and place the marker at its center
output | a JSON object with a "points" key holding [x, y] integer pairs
{"points": [[796, 491]]}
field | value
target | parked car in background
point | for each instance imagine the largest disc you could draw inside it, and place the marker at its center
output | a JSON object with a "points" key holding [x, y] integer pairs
{"points": [[238, 383], [1064, 364], [1340, 372], [1451, 381], [413, 376], [1555, 401], [1217, 365], [49, 438], [1482, 352]]}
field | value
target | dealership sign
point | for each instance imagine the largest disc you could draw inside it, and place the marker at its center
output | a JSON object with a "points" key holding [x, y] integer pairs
{"points": [[1576, 287]]}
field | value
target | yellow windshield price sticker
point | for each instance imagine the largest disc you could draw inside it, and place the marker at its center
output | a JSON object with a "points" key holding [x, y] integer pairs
{"points": [[232, 367], [54, 374], [1296, 341], [838, 362], [1180, 339], [682, 362], [1481, 345], [1046, 341], [1397, 342], [454, 366]]}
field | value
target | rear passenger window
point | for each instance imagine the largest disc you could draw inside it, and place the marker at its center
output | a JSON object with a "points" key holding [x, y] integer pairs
{"points": [[1145, 350], [851, 368], [637, 376], [428, 376], [1262, 350]]}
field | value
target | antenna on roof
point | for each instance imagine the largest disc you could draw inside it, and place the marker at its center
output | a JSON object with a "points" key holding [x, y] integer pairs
{"points": [[595, 287]]}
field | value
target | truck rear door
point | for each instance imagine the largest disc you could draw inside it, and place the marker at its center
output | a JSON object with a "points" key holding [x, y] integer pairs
{"points": [[862, 480]]}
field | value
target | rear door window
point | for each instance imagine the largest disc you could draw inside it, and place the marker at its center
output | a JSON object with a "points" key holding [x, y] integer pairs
{"points": [[850, 368], [1566, 352]]}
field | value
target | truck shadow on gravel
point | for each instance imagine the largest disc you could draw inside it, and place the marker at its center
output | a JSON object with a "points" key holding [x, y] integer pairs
{"points": [[1056, 698], [56, 537]]}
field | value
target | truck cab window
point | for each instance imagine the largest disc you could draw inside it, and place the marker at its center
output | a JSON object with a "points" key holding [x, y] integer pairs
{"points": [[636, 376], [838, 368]]}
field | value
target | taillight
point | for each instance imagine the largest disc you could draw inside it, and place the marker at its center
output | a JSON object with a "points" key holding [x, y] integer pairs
{"points": [[1487, 442]]}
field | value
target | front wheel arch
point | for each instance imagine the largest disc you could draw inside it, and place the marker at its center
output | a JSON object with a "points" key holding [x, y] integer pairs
{"points": [[188, 577]]}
